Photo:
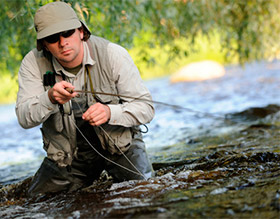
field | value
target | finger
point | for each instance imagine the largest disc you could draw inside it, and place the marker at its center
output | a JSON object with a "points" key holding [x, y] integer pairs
{"points": [[92, 123], [99, 119], [98, 122], [60, 97], [61, 87], [91, 112]]}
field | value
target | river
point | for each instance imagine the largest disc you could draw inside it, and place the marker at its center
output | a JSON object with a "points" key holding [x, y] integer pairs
{"points": [[179, 142]]}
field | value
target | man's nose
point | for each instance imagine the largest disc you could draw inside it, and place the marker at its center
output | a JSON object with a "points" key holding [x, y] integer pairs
{"points": [[62, 41]]}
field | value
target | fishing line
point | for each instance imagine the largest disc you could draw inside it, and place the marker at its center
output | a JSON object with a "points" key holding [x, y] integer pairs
{"points": [[153, 101], [137, 173], [122, 152]]}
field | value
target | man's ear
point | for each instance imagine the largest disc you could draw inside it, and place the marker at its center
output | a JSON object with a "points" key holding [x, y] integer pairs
{"points": [[81, 33]]}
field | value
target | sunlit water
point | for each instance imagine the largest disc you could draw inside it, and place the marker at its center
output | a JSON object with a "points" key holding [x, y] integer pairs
{"points": [[255, 85]]}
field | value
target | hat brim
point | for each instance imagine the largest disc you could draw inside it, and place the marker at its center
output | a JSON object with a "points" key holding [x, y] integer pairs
{"points": [[59, 27]]}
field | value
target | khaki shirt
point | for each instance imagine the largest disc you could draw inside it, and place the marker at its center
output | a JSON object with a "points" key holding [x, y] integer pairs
{"points": [[34, 107]]}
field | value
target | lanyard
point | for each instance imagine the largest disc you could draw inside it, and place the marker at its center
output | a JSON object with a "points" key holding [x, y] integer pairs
{"points": [[90, 81]]}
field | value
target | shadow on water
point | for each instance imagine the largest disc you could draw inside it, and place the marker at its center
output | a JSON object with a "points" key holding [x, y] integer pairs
{"points": [[216, 168]]}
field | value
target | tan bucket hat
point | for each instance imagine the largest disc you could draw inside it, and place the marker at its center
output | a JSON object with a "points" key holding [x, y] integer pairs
{"points": [[53, 18]]}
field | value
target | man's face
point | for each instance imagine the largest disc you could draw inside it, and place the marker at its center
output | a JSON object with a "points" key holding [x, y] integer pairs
{"points": [[68, 50]]}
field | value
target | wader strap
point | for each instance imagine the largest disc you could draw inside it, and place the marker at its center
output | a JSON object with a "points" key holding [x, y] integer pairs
{"points": [[85, 82], [90, 81]]}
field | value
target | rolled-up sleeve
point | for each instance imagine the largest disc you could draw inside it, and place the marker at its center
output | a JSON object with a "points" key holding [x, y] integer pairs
{"points": [[33, 105], [132, 111]]}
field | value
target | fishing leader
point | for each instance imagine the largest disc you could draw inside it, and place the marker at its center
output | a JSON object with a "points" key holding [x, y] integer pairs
{"points": [[85, 132]]}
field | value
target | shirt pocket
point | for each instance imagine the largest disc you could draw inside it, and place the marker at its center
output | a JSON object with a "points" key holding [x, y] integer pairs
{"points": [[104, 99], [106, 95]]}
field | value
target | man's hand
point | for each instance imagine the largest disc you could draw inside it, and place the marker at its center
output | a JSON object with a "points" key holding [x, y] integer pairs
{"points": [[97, 114], [58, 94]]}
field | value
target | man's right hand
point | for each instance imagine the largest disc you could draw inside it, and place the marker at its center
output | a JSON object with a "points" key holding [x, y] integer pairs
{"points": [[58, 94]]}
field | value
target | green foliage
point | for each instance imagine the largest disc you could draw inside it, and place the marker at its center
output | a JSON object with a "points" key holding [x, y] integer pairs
{"points": [[157, 32], [248, 28], [162, 64], [8, 89]]}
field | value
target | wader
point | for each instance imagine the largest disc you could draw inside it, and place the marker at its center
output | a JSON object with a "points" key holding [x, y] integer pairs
{"points": [[87, 164]]}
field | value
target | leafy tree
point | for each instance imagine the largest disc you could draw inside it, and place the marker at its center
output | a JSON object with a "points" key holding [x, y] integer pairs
{"points": [[247, 29]]}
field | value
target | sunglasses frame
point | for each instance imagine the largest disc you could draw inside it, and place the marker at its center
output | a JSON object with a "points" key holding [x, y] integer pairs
{"points": [[56, 37]]}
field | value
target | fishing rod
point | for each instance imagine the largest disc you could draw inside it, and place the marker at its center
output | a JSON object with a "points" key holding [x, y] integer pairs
{"points": [[70, 90]]}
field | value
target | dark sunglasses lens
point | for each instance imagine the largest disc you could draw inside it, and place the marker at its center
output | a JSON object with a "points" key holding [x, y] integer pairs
{"points": [[68, 33], [52, 38], [55, 37]]}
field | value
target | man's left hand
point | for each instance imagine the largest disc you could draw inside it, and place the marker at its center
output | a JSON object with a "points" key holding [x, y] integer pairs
{"points": [[97, 114]]}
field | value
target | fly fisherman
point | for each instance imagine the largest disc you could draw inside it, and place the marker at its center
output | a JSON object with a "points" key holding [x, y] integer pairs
{"points": [[62, 85]]}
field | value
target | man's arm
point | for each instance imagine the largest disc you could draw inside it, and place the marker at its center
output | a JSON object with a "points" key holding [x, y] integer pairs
{"points": [[129, 83], [33, 105]]}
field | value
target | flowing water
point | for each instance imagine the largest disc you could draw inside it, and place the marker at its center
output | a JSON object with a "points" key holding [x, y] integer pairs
{"points": [[218, 157]]}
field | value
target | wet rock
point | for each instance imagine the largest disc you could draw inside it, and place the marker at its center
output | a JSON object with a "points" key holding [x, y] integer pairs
{"points": [[254, 113], [13, 192], [247, 208], [157, 166], [218, 191], [230, 212], [192, 141]]}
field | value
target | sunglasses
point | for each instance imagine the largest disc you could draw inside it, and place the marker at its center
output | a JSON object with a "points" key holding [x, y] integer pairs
{"points": [[55, 37]]}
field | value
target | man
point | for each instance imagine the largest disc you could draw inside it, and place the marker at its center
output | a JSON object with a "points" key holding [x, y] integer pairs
{"points": [[64, 84]]}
